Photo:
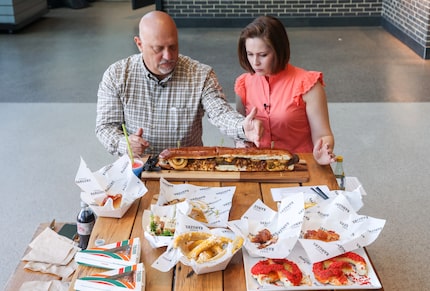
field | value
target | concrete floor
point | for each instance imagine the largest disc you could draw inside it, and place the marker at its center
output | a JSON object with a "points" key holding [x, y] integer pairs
{"points": [[378, 102], [61, 57]]}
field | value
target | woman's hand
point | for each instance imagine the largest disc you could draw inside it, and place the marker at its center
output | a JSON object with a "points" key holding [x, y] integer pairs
{"points": [[323, 153], [253, 128], [244, 144]]}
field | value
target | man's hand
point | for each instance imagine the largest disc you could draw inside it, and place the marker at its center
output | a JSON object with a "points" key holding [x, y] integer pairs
{"points": [[137, 143], [253, 128]]}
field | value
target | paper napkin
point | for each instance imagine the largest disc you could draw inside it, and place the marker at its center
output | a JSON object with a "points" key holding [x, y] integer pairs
{"points": [[51, 253], [54, 285]]}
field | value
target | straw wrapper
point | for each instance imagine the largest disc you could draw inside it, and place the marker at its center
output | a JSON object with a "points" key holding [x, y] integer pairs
{"points": [[284, 225], [112, 179]]}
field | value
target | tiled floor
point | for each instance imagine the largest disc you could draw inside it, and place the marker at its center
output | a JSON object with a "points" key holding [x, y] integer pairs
{"points": [[377, 88]]}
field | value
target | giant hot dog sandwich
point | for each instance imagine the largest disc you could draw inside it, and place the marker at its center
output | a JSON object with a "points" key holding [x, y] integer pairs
{"points": [[227, 159]]}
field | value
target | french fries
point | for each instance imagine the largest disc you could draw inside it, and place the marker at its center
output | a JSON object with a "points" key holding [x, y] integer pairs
{"points": [[204, 247]]}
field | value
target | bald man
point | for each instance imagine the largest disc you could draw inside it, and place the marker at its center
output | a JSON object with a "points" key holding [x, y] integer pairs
{"points": [[161, 96]]}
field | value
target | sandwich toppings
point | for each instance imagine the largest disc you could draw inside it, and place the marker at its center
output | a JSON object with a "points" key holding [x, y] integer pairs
{"points": [[227, 159], [341, 270], [279, 272], [116, 200], [263, 238], [162, 226], [323, 235]]}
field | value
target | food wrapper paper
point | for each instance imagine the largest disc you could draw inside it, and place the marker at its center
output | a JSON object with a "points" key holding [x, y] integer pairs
{"points": [[355, 231], [115, 178], [352, 184], [285, 225], [311, 198], [174, 255], [169, 212], [215, 202]]}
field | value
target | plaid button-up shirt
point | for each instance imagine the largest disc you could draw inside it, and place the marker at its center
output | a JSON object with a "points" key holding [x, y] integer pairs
{"points": [[170, 111]]}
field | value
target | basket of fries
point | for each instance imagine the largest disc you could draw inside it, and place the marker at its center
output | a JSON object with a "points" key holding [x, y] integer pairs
{"points": [[205, 250]]}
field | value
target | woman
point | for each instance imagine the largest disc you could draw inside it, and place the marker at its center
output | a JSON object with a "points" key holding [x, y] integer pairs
{"points": [[291, 101]]}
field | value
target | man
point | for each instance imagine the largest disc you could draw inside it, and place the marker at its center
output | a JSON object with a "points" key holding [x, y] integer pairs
{"points": [[161, 96]]}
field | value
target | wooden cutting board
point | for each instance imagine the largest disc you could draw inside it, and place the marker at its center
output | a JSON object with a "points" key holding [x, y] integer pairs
{"points": [[299, 175]]}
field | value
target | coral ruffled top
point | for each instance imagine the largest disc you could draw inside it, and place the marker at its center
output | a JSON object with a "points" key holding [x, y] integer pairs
{"points": [[279, 100]]}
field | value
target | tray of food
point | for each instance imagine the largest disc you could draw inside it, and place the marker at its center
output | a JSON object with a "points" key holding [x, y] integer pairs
{"points": [[228, 164], [319, 247], [350, 271]]}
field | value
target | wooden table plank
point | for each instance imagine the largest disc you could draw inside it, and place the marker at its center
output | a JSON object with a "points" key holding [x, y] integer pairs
{"points": [[234, 275], [246, 194], [186, 279], [155, 280]]}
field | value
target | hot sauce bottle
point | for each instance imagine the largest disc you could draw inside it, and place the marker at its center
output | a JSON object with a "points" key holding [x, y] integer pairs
{"points": [[339, 172]]}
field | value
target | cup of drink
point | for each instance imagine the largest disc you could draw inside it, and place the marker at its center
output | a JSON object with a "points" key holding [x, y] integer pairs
{"points": [[137, 166]]}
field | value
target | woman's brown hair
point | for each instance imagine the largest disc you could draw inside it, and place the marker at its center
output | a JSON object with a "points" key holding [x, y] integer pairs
{"points": [[273, 33]]}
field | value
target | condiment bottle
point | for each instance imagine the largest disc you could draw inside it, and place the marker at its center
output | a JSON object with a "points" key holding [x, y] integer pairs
{"points": [[85, 223], [339, 172]]}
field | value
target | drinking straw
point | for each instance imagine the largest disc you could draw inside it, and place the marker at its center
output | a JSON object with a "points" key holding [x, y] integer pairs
{"points": [[130, 153]]}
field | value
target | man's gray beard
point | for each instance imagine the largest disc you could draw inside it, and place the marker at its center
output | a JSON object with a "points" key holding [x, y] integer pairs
{"points": [[166, 71]]}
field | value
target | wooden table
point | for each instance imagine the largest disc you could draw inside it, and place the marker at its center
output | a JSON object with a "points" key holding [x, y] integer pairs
{"points": [[181, 277]]}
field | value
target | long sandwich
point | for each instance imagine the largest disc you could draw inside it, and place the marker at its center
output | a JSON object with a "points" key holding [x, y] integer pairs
{"points": [[227, 159]]}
